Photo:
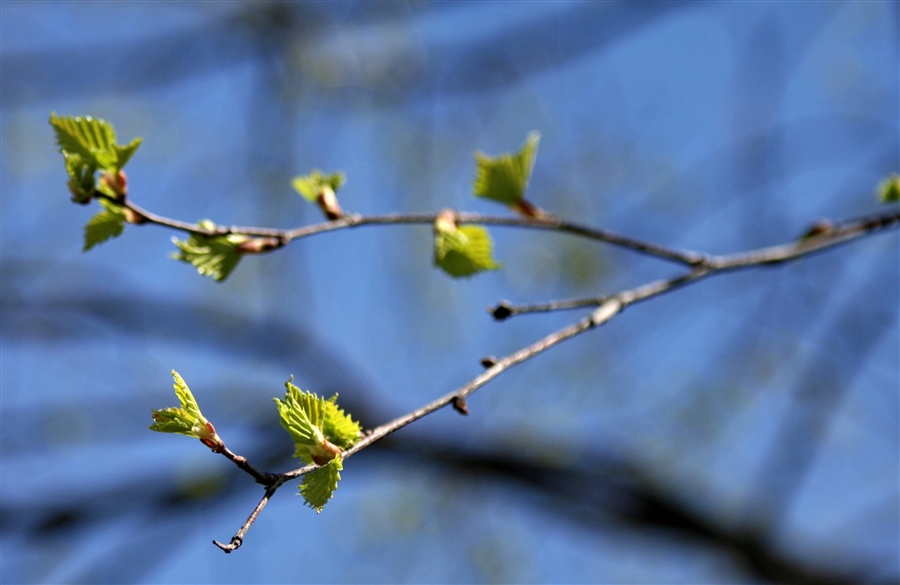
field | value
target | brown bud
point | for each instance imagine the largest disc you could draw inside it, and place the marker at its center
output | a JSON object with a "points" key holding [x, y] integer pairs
{"points": [[460, 406], [328, 203], [529, 209], [820, 228], [258, 245], [489, 361], [132, 216], [502, 311], [117, 182]]}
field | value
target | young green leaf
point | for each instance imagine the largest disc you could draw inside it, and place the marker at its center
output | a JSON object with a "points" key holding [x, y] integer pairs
{"points": [[90, 138], [124, 153], [504, 178], [107, 224], [309, 186], [889, 189], [318, 427], [214, 256], [82, 181], [321, 190], [93, 140], [318, 486], [464, 250], [187, 419]]}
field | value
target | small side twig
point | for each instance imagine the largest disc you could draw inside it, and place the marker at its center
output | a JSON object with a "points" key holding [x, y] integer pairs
{"points": [[238, 539], [504, 309], [609, 307]]}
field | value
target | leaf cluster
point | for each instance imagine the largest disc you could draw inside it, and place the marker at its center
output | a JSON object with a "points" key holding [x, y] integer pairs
{"points": [[186, 419], [89, 145], [464, 250], [320, 431], [214, 256]]}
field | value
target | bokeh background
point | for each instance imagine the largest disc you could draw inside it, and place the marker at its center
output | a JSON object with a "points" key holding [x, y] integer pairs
{"points": [[742, 430]]}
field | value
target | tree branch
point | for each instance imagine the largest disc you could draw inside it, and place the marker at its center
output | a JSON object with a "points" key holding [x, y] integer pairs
{"points": [[609, 307], [284, 237]]}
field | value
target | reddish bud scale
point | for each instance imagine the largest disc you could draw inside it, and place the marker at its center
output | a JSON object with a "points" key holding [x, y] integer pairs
{"points": [[117, 182], [328, 202], [212, 439], [529, 209], [259, 245], [325, 453]]}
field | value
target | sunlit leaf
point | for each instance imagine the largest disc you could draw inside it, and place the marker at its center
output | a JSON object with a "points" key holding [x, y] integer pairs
{"points": [[90, 138], [318, 486], [186, 419], [124, 153], [464, 251], [107, 224], [317, 426], [504, 178], [213, 256], [310, 186]]}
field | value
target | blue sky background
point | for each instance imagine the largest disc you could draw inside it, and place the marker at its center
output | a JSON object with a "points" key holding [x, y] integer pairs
{"points": [[761, 404]]}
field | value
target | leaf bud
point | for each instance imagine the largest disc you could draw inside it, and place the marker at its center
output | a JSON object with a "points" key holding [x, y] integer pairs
{"points": [[445, 222], [327, 200], [460, 406]]}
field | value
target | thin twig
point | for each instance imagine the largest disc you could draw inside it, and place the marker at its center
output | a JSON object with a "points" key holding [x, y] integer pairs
{"points": [[284, 237], [701, 266], [238, 539], [505, 309], [608, 308], [835, 235], [263, 477]]}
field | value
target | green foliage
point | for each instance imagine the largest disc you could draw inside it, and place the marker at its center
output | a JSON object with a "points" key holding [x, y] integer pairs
{"points": [[464, 250], [187, 419], [310, 186], [214, 256], [504, 178], [88, 145], [318, 486], [107, 224], [889, 189], [320, 431], [82, 180], [312, 421]]}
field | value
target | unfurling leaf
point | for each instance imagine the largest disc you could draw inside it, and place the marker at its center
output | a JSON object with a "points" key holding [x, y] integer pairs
{"points": [[187, 419], [107, 224], [318, 427], [461, 250], [889, 189], [320, 431], [88, 145], [321, 190], [93, 140], [504, 178], [82, 181], [318, 486], [214, 256]]}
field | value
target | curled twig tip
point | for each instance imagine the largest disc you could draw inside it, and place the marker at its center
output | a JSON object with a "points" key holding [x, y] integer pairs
{"points": [[232, 546]]}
